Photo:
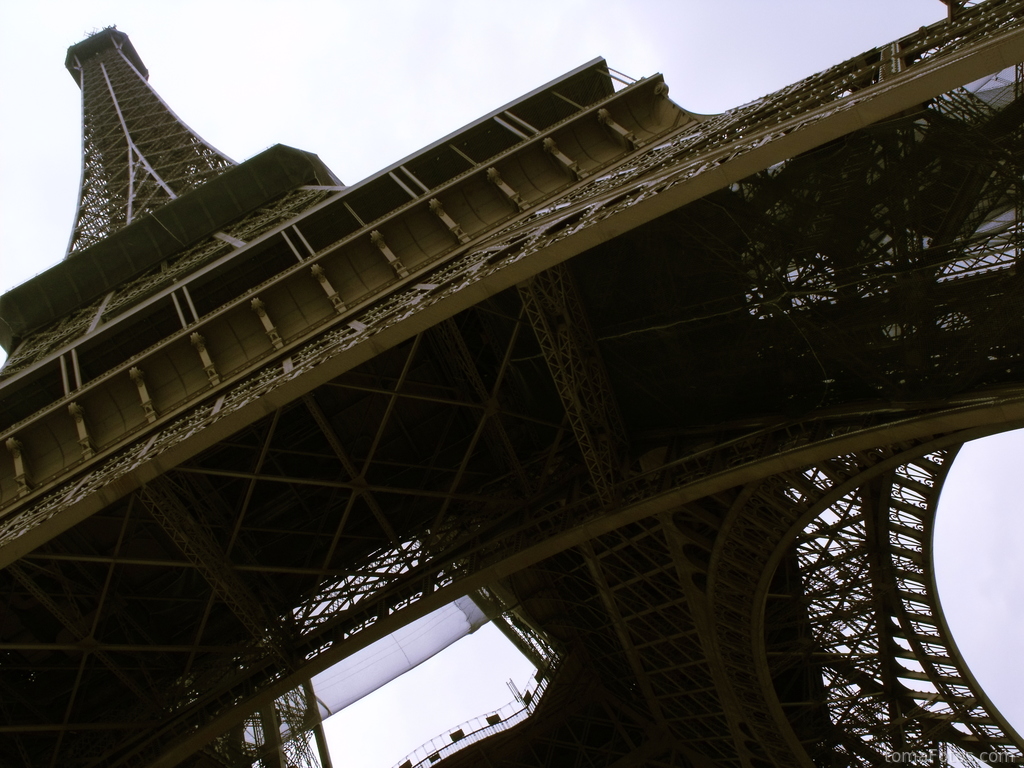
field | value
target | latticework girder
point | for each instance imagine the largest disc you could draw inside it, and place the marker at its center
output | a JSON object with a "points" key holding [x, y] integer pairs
{"points": [[682, 391], [180, 513], [870, 597], [559, 321]]}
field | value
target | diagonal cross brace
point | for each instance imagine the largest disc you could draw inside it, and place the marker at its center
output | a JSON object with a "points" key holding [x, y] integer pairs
{"points": [[197, 543], [349, 466], [495, 433], [73, 623]]}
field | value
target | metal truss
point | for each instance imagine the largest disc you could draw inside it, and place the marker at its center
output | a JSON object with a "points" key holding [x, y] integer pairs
{"points": [[870, 598], [169, 504], [40, 345], [464, 368], [714, 499], [559, 322], [854, 642], [652, 179], [137, 154]]}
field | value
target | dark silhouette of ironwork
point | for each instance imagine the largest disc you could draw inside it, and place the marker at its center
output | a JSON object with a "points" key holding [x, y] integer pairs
{"points": [[672, 396]]}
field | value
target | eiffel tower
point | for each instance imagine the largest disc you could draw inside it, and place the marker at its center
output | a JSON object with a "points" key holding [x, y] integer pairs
{"points": [[671, 397]]}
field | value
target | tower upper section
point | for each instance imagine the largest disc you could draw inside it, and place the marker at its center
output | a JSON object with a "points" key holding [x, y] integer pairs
{"points": [[137, 154]]}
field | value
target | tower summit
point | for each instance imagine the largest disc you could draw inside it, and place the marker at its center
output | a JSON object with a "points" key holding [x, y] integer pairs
{"points": [[137, 154]]}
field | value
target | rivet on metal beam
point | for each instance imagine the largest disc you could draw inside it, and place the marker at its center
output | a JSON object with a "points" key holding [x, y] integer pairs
{"points": [[21, 475], [147, 403], [495, 178], [604, 117], [261, 311], [325, 283], [83, 432], [438, 210], [570, 165], [378, 239], [200, 344]]}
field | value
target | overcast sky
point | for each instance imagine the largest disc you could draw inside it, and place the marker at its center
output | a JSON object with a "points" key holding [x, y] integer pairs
{"points": [[364, 84]]}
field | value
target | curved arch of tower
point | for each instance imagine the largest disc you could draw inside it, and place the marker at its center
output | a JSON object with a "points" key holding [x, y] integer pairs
{"points": [[671, 397]]}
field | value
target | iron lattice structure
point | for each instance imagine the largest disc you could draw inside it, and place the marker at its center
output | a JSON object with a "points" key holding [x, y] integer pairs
{"points": [[137, 154], [676, 395]]}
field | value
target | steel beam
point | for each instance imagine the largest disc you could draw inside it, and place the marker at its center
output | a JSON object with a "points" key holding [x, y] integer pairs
{"points": [[559, 321]]}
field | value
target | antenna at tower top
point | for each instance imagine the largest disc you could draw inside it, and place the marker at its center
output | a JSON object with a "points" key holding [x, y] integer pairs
{"points": [[137, 154], [98, 41]]}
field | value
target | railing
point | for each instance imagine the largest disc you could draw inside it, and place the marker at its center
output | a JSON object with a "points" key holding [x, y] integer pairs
{"points": [[479, 728]]}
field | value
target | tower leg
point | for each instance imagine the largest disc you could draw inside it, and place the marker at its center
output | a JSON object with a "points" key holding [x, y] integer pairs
{"points": [[318, 725]]}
